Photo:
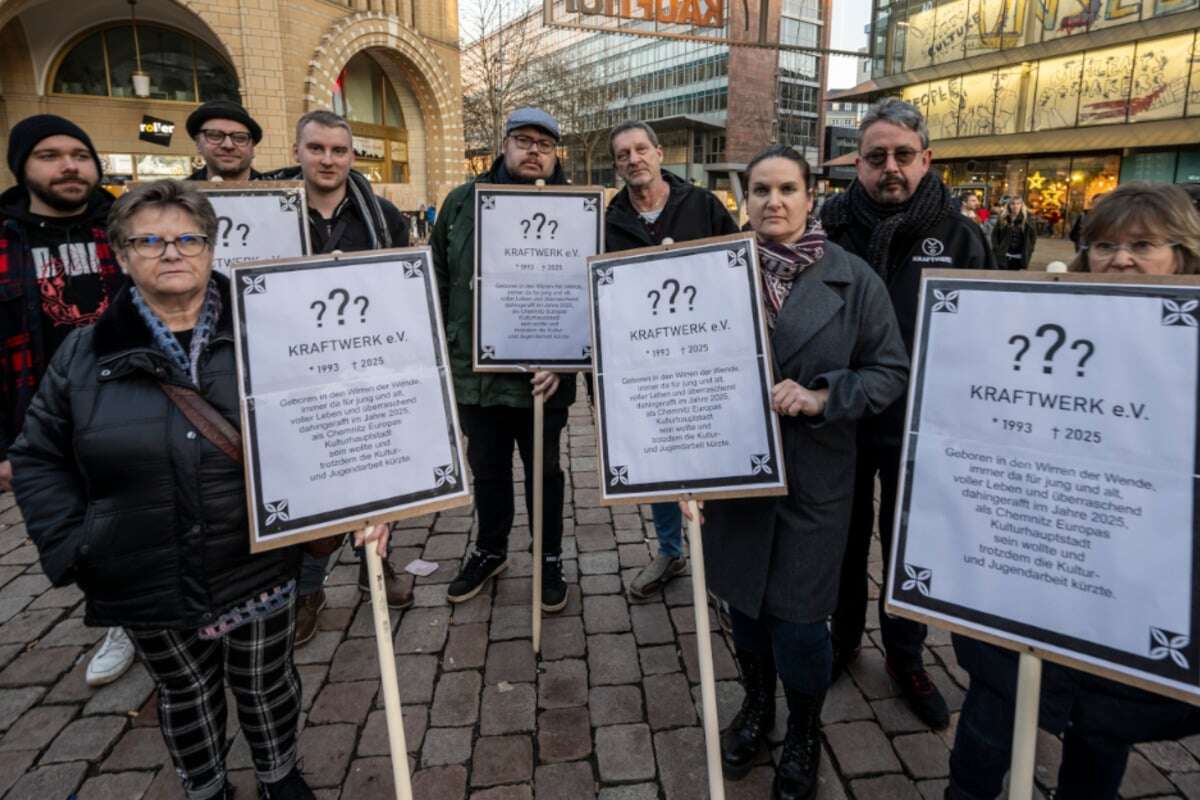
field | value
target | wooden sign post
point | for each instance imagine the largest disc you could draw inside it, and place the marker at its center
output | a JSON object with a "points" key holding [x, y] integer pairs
{"points": [[531, 250], [257, 221], [1051, 436], [348, 411], [683, 397]]}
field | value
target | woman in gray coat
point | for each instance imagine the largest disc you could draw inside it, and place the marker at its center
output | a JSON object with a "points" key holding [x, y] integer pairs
{"points": [[776, 561]]}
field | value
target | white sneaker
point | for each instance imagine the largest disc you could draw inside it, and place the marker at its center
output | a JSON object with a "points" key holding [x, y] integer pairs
{"points": [[112, 659]]}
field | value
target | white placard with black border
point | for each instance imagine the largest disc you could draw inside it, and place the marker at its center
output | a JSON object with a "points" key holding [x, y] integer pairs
{"points": [[683, 373], [1049, 476], [348, 409], [531, 249], [257, 221]]}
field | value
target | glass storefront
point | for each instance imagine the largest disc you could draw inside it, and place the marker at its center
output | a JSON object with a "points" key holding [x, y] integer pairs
{"points": [[364, 95]]}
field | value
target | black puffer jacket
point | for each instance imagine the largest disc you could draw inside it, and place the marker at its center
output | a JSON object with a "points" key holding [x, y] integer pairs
{"points": [[119, 492]]}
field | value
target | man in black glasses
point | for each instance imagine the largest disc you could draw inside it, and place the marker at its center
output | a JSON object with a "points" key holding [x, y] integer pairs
{"points": [[225, 137], [497, 409], [57, 273], [900, 218]]}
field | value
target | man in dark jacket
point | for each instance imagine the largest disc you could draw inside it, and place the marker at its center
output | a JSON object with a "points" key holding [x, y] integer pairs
{"points": [[343, 214], [655, 205], [225, 136], [496, 409], [900, 218], [57, 273]]}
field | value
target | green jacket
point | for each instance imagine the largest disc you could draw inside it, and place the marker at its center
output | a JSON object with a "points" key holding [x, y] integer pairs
{"points": [[453, 243]]}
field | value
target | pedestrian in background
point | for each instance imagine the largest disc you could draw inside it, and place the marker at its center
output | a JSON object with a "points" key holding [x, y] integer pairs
{"points": [[1014, 236]]}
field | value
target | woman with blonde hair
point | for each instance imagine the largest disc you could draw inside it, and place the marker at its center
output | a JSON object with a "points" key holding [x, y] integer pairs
{"points": [[1014, 236], [1141, 228]]}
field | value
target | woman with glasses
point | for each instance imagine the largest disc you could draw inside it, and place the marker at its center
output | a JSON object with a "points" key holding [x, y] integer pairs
{"points": [[125, 497], [1014, 236], [1138, 229]]}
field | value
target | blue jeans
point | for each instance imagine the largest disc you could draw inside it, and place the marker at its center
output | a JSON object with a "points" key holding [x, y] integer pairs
{"points": [[668, 527], [803, 651]]}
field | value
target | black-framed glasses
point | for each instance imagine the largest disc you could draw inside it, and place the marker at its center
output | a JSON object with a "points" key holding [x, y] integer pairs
{"points": [[213, 136], [544, 146], [188, 244], [903, 155]]}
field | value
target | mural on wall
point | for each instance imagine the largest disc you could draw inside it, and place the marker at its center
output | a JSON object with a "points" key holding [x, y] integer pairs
{"points": [[1104, 91], [1160, 78], [1057, 98], [942, 103], [957, 29], [1007, 100], [976, 104]]}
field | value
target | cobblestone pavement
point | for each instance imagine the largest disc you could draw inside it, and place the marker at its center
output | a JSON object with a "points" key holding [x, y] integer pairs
{"points": [[608, 712]]}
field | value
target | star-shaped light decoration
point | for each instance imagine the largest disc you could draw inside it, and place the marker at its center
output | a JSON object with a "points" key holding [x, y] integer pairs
{"points": [[1036, 181]]}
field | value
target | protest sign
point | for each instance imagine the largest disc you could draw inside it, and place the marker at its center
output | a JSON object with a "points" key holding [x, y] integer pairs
{"points": [[1049, 478], [348, 407], [683, 373], [531, 249], [683, 397], [257, 221]]}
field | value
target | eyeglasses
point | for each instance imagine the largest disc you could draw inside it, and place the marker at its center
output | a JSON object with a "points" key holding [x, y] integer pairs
{"points": [[544, 146], [188, 244], [213, 136], [1141, 250], [903, 155]]}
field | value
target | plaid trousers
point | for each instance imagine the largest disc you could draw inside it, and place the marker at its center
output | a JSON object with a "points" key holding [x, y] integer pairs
{"points": [[191, 673]]}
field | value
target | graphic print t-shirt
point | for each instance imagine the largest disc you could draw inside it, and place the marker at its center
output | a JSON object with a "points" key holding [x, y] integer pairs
{"points": [[68, 275]]}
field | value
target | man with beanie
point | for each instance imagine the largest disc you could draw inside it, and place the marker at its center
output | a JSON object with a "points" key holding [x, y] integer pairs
{"points": [[900, 218], [57, 273], [496, 409], [225, 136]]}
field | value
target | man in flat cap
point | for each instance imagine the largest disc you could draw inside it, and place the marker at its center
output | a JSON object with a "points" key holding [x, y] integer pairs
{"points": [[496, 409], [225, 136]]}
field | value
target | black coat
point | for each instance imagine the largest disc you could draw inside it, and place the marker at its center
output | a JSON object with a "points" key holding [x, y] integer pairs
{"points": [[1001, 239], [122, 496], [783, 555], [1091, 704], [690, 213], [954, 242]]}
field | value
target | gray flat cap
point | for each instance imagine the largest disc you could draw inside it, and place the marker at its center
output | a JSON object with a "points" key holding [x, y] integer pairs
{"points": [[532, 118]]}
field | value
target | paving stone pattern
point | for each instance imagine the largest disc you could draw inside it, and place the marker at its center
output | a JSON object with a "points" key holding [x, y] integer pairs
{"points": [[611, 710]]}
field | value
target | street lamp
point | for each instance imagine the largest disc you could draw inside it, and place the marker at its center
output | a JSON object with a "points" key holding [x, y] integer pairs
{"points": [[141, 80]]}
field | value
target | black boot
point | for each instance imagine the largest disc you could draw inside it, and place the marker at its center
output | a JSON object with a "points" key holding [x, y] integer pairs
{"points": [[796, 775], [746, 736]]}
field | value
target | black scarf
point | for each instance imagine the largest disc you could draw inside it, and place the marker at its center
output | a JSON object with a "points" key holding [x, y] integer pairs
{"points": [[893, 227]]}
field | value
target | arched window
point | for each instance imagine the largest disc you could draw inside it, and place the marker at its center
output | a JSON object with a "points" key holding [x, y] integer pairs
{"points": [[365, 96], [181, 67]]}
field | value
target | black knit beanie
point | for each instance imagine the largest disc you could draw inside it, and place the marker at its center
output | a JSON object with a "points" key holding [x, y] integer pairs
{"points": [[27, 133]]}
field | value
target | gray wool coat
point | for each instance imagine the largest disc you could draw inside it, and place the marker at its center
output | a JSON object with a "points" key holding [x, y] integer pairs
{"points": [[783, 555]]}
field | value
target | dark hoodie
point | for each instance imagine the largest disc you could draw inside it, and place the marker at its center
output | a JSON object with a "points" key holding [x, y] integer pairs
{"points": [[56, 275], [690, 213]]}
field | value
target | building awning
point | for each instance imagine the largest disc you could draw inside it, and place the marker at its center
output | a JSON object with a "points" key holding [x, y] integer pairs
{"points": [[1162, 133], [683, 122], [844, 160]]}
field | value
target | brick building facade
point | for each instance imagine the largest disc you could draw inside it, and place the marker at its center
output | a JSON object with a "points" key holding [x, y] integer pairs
{"points": [[281, 58]]}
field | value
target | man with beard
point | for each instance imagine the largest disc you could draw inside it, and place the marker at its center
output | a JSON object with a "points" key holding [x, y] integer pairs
{"points": [[225, 136], [900, 218], [496, 409], [57, 273], [656, 205]]}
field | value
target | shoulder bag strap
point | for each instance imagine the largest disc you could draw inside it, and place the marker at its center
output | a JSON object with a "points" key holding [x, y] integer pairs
{"points": [[208, 421]]}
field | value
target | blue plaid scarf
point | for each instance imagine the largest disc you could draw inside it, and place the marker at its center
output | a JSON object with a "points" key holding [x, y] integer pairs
{"points": [[166, 341]]}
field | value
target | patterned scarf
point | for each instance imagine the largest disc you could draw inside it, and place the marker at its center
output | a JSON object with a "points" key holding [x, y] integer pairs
{"points": [[783, 262], [892, 228], [166, 341]]}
